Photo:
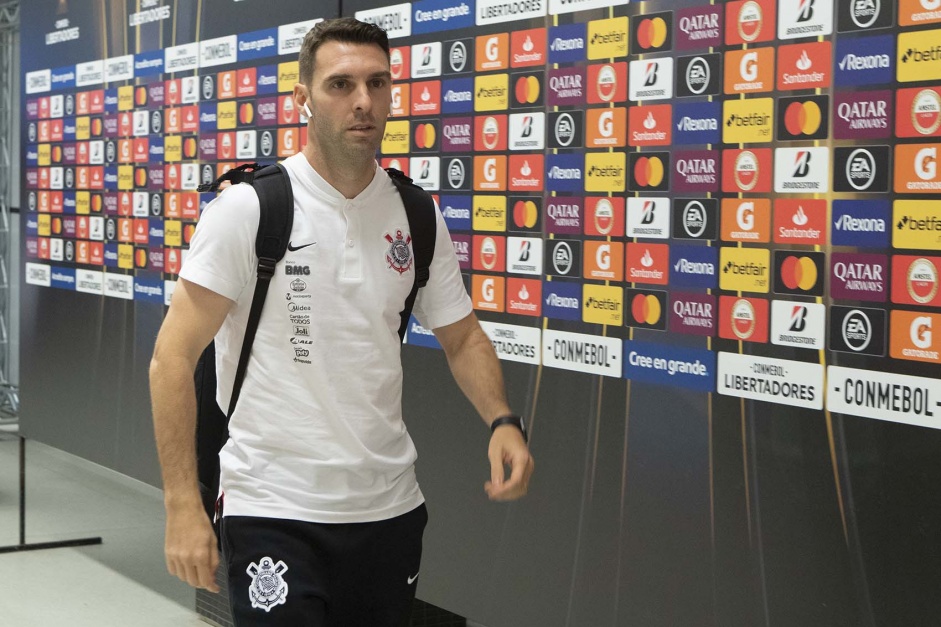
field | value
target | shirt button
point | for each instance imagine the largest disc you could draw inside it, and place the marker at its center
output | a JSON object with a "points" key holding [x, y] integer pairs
{"points": [[349, 243]]}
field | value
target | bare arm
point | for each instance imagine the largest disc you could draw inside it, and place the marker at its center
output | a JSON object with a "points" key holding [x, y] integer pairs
{"points": [[195, 316], [476, 369]]}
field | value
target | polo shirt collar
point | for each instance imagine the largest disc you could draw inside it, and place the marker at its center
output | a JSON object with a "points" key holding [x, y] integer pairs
{"points": [[325, 190]]}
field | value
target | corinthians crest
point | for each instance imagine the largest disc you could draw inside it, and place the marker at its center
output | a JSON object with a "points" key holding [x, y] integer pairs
{"points": [[267, 588], [399, 255]]}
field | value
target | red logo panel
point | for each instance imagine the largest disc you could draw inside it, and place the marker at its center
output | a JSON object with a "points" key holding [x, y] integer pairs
{"points": [[607, 83], [744, 319], [746, 170]]}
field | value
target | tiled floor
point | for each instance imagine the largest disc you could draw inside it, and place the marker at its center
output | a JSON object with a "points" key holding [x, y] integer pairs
{"points": [[121, 582]]}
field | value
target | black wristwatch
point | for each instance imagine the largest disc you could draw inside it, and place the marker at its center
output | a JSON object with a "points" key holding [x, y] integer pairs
{"points": [[510, 419]]}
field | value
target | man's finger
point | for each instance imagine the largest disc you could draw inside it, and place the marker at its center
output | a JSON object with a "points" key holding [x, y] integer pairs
{"points": [[496, 468]]}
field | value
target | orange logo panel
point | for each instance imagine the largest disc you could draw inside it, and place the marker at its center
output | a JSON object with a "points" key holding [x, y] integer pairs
{"points": [[749, 71], [916, 336], [490, 173], [603, 261], [488, 292], [916, 169], [746, 219], [493, 52]]}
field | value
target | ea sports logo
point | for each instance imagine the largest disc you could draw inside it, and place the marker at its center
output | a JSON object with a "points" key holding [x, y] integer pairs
{"points": [[861, 169], [209, 88], [922, 281], [607, 84], [744, 321], [457, 56], [527, 89], [698, 75], [864, 13], [456, 173], [746, 171], [750, 20], [926, 112], [646, 309], [652, 33], [856, 330], [491, 133], [207, 177], [799, 273], [694, 218], [564, 130], [802, 118], [70, 103], [562, 258], [604, 216], [267, 145], [396, 63], [648, 171], [488, 253]]}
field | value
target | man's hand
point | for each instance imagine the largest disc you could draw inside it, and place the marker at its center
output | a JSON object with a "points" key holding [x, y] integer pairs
{"points": [[190, 548], [507, 448]]}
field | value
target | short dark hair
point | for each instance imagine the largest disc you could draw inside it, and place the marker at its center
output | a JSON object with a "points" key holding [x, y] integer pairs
{"points": [[343, 29]]}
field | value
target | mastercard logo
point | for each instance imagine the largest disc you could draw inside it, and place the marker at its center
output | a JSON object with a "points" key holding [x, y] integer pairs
{"points": [[803, 118], [425, 135], [246, 113], [140, 96], [188, 232], [645, 308], [96, 127], [799, 273], [57, 226], [140, 258], [652, 33], [57, 154], [926, 111], [140, 177], [648, 171], [527, 89], [96, 203], [525, 213], [189, 148], [750, 20]]}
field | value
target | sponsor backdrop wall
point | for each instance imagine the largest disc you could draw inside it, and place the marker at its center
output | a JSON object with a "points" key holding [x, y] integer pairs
{"points": [[704, 239]]}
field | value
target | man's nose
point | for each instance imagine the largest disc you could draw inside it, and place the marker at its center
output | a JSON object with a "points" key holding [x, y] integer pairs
{"points": [[362, 100]]}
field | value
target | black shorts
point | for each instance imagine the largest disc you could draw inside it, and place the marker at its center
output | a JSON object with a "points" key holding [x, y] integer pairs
{"points": [[299, 574]]}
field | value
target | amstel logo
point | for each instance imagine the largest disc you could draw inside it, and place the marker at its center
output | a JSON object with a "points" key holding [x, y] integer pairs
{"points": [[749, 21], [648, 309], [608, 83], [919, 112], [490, 133], [489, 253], [604, 216], [915, 280], [399, 62], [744, 319]]}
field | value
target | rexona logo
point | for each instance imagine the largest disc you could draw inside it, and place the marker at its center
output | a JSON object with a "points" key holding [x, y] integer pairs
{"points": [[804, 66], [862, 223], [604, 261], [800, 325], [916, 169], [697, 123], [565, 173], [865, 15], [745, 269], [699, 75], [562, 301], [694, 267], [563, 258], [859, 277], [917, 224], [651, 79], [799, 170], [607, 39], [695, 218], [804, 18], [749, 21], [648, 309], [915, 280], [652, 32], [567, 43], [490, 132], [857, 330], [649, 125], [919, 56], [861, 169], [746, 170], [648, 263], [800, 221], [798, 273], [605, 172], [648, 217], [747, 121], [650, 171], [919, 112], [915, 336], [866, 115], [749, 71], [694, 314], [919, 12], [698, 28], [746, 219], [604, 216], [565, 128], [744, 319], [865, 61]]}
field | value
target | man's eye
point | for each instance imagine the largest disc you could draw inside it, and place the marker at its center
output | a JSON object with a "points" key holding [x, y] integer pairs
{"points": [[339, 84], [379, 82]]}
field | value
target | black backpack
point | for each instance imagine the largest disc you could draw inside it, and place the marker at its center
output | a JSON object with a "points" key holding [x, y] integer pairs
{"points": [[276, 201]]}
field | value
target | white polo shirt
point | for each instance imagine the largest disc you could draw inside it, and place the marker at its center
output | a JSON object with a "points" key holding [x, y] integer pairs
{"points": [[318, 434]]}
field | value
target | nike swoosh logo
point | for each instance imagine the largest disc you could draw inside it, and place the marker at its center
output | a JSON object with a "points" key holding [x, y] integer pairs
{"points": [[295, 248], [411, 580]]}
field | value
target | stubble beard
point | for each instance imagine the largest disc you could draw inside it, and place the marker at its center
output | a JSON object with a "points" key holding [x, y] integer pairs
{"points": [[343, 152]]}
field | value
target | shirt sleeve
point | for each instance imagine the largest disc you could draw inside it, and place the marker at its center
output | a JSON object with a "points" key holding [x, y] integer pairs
{"points": [[444, 299], [221, 256]]}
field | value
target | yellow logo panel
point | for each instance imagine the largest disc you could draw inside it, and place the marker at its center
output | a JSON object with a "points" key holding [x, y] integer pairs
{"points": [[126, 256], [225, 115], [395, 140], [125, 177], [491, 93], [607, 38], [602, 304], [919, 56], [172, 233], [172, 148], [43, 154], [83, 128], [44, 225], [748, 121], [125, 98], [489, 213], [916, 224], [745, 269], [82, 202], [288, 75], [605, 172]]}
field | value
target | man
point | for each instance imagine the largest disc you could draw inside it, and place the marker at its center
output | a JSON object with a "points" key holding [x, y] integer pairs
{"points": [[322, 517]]}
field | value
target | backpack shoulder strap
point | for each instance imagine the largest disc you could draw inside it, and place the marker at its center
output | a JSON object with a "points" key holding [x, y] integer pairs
{"points": [[275, 220], [422, 224]]}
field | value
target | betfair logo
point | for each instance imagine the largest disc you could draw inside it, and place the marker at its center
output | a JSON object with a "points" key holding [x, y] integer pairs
{"points": [[748, 121], [918, 56], [755, 119], [745, 269], [491, 92]]}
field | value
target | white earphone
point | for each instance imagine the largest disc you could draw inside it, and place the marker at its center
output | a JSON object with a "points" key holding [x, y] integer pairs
{"points": [[307, 111]]}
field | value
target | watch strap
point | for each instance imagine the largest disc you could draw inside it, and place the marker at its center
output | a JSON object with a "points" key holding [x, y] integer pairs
{"points": [[510, 419]]}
